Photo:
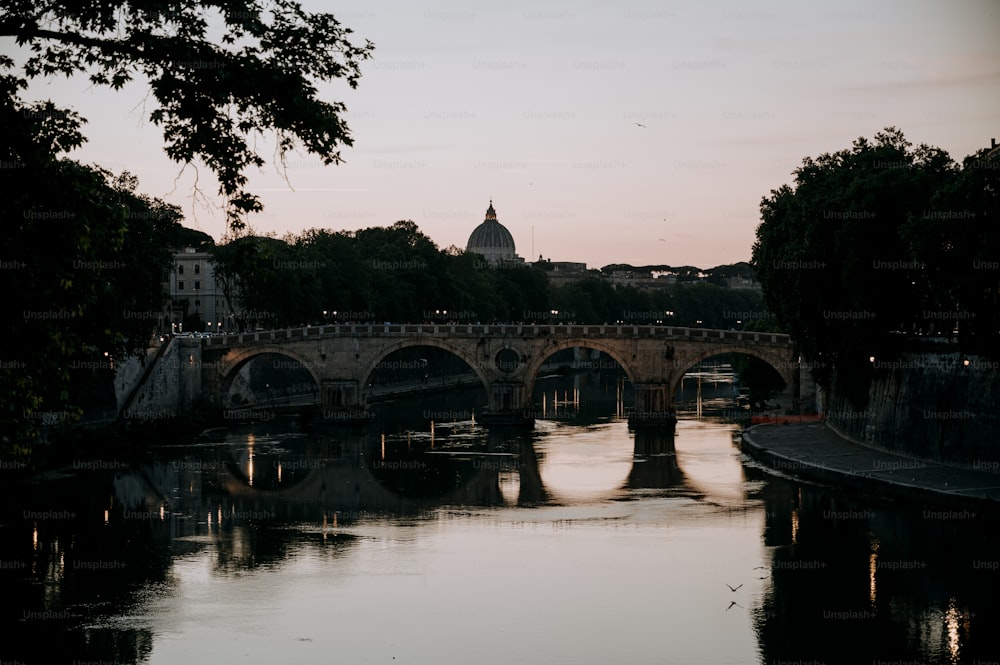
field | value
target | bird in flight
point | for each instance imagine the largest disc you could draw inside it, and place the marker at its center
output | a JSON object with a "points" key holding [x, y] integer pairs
{"points": [[734, 589], [641, 125], [733, 603]]}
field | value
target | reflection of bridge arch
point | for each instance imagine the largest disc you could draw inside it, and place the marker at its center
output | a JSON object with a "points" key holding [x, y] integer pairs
{"points": [[237, 359], [353, 483], [476, 365], [535, 364], [345, 480]]}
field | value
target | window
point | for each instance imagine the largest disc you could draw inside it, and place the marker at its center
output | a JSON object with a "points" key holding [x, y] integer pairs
{"points": [[180, 268], [180, 286], [197, 268], [197, 285]]}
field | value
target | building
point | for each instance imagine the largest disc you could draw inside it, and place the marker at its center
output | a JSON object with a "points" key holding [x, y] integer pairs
{"points": [[493, 241], [197, 300], [738, 282], [560, 273], [642, 279]]}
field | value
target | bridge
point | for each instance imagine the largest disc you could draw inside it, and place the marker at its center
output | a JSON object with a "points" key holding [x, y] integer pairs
{"points": [[506, 359]]}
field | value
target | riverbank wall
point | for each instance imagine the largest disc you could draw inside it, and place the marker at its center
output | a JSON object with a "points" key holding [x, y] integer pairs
{"points": [[939, 406], [147, 388]]}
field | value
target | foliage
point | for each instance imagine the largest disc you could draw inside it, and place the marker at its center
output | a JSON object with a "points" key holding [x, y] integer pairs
{"points": [[84, 258], [878, 242], [221, 73], [397, 274]]}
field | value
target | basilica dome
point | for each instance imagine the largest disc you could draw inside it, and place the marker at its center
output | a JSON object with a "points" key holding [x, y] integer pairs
{"points": [[492, 240]]}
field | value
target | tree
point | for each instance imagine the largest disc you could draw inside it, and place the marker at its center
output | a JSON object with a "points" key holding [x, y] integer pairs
{"points": [[957, 240], [221, 72], [874, 243], [264, 277], [85, 258]]}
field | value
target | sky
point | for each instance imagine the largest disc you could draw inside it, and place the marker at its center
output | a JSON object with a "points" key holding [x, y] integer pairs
{"points": [[603, 131]]}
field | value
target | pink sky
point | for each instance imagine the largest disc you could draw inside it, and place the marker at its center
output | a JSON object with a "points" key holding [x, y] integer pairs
{"points": [[536, 106]]}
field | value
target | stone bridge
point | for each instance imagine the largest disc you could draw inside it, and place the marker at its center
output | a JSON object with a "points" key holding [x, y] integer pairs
{"points": [[506, 358]]}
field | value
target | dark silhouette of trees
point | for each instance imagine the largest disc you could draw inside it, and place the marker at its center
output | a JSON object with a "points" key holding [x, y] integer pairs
{"points": [[85, 258], [87, 254], [398, 274], [222, 73], [880, 242]]}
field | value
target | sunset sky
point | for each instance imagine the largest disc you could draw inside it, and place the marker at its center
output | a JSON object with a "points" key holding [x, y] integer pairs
{"points": [[604, 132]]}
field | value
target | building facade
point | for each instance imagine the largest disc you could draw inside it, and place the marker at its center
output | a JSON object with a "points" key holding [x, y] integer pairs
{"points": [[197, 300]]}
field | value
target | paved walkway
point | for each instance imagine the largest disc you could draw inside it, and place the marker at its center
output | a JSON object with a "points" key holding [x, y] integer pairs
{"points": [[814, 450]]}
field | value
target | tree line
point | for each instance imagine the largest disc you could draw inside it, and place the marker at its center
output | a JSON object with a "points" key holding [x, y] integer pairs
{"points": [[83, 255], [398, 274], [881, 245]]}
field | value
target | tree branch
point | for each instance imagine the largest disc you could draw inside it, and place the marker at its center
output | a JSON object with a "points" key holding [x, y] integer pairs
{"points": [[106, 45]]}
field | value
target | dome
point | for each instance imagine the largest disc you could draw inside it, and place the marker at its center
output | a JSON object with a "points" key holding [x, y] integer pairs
{"points": [[492, 239]]}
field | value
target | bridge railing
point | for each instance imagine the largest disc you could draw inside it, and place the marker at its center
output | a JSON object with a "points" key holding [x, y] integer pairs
{"points": [[498, 330]]}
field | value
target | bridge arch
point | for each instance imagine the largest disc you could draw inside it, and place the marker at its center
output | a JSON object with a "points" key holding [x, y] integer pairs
{"points": [[786, 368], [533, 366], [234, 361], [476, 365]]}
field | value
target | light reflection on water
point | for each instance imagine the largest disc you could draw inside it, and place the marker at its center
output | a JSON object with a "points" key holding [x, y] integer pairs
{"points": [[597, 573], [589, 578], [580, 543]]}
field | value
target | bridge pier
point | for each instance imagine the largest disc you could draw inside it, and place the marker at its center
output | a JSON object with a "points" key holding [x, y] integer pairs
{"points": [[341, 402], [653, 406], [807, 391], [507, 406], [190, 384]]}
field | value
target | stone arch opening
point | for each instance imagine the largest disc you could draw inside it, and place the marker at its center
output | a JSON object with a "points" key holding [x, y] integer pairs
{"points": [[422, 363], [269, 375], [780, 375], [534, 364], [579, 381]]}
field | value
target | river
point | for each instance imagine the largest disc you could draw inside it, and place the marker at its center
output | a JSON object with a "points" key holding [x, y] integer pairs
{"points": [[580, 542]]}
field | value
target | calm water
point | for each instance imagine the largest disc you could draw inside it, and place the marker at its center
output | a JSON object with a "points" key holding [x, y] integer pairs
{"points": [[580, 542]]}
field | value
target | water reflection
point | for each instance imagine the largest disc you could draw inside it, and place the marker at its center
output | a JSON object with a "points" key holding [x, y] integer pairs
{"points": [[583, 541], [654, 461], [901, 579]]}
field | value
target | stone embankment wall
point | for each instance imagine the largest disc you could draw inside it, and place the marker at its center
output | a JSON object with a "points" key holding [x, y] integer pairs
{"points": [[158, 397], [929, 405], [129, 372]]}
